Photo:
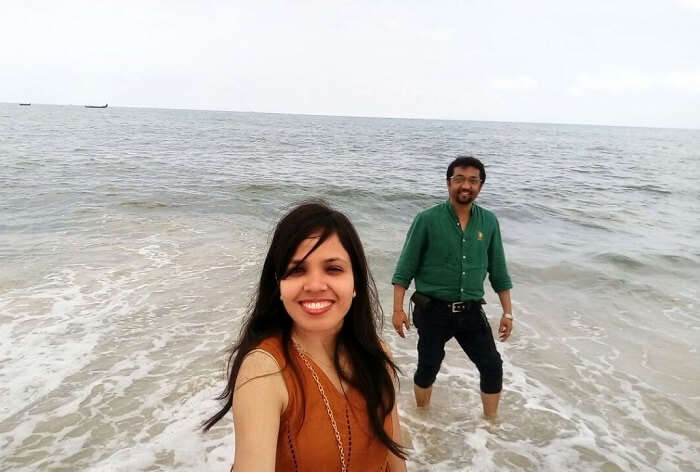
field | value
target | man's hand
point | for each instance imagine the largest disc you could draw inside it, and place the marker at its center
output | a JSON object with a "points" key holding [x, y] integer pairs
{"points": [[505, 328], [399, 320]]}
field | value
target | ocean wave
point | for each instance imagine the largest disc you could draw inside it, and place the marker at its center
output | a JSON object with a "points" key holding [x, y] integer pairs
{"points": [[576, 216], [145, 204], [621, 261], [675, 260], [336, 191], [646, 188], [582, 170], [519, 213], [598, 280], [602, 150], [650, 264]]}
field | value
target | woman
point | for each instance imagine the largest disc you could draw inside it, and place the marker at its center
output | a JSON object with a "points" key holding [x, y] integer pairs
{"points": [[310, 383]]}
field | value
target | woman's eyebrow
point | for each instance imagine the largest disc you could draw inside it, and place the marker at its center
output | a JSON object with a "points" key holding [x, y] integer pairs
{"points": [[335, 259], [295, 262]]}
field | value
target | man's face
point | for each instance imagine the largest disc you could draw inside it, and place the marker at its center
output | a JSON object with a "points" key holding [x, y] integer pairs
{"points": [[464, 185]]}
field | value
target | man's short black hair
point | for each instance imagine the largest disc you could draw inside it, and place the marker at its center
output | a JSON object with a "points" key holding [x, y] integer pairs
{"points": [[467, 161]]}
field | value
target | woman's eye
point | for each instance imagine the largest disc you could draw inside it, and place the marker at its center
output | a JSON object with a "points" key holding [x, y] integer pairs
{"points": [[335, 269], [296, 271]]}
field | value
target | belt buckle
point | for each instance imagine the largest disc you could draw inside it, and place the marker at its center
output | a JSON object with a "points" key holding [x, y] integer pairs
{"points": [[458, 307]]}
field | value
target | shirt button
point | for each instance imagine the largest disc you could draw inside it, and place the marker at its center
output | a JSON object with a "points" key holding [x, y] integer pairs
{"points": [[461, 290], [463, 273], [463, 240], [464, 257]]}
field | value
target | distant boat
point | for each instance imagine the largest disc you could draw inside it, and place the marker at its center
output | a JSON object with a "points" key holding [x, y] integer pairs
{"points": [[25, 104], [96, 106]]}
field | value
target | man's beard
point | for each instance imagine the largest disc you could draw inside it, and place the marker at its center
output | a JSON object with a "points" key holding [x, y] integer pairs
{"points": [[464, 198]]}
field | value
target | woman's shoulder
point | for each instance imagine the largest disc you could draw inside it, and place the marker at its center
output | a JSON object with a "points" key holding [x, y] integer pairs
{"points": [[263, 366], [264, 359], [273, 347], [267, 361], [257, 364], [260, 388]]}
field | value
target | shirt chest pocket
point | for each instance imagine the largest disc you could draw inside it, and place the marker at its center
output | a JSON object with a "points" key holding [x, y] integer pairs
{"points": [[475, 252]]}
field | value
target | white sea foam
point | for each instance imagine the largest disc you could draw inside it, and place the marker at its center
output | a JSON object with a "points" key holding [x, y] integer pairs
{"points": [[48, 347], [98, 357]]}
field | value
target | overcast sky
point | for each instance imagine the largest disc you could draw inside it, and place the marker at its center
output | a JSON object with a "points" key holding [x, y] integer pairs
{"points": [[619, 62]]}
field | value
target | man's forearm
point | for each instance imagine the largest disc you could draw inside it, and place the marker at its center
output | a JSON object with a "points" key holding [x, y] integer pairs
{"points": [[503, 296], [399, 293]]}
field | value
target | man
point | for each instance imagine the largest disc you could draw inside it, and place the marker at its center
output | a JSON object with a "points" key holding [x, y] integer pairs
{"points": [[449, 249]]}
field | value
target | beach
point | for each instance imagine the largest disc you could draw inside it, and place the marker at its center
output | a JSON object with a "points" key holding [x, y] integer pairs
{"points": [[131, 241]]}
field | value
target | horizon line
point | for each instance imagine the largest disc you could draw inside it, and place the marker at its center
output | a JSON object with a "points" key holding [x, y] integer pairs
{"points": [[144, 107]]}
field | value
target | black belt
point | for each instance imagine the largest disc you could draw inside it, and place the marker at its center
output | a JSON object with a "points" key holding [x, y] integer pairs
{"points": [[422, 302], [461, 307]]}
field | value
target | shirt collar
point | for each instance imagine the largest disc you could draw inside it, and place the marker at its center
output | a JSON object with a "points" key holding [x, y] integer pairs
{"points": [[453, 212]]}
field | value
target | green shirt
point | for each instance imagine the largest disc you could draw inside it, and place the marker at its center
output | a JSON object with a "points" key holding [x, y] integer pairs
{"points": [[451, 264]]}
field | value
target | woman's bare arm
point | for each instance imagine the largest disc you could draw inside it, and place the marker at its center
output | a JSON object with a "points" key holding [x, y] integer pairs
{"points": [[259, 399]]}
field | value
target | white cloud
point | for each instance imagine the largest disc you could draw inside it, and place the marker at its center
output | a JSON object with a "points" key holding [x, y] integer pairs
{"points": [[684, 80], [690, 3], [613, 82], [517, 83], [439, 34]]}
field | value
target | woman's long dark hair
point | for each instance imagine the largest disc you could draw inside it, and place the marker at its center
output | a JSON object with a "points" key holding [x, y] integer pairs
{"points": [[371, 368]]}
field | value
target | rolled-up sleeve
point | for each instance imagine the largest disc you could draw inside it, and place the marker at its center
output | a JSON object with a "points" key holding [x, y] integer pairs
{"points": [[498, 272], [411, 253]]}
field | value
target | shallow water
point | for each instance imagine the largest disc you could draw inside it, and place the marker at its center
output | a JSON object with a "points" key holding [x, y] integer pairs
{"points": [[130, 242]]}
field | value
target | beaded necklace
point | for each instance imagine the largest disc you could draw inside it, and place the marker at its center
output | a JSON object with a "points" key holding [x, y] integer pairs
{"points": [[338, 440]]}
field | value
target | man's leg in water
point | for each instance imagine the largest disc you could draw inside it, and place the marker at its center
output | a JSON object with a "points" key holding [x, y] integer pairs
{"points": [[477, 341], [489, 401], [422, 395], [434, 331]]}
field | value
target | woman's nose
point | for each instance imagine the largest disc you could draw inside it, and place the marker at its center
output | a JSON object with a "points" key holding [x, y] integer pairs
{"points": [[315, 281]]}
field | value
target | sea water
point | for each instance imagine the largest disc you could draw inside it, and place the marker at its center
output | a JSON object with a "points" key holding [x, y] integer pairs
{"points": [[131, 241]]}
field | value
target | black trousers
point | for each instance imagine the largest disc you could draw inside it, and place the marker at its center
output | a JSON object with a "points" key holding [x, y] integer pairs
{"points": [[437, 324]]}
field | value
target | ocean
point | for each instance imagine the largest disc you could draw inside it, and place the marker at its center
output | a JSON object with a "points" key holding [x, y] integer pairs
{"points": [[131, 241]]}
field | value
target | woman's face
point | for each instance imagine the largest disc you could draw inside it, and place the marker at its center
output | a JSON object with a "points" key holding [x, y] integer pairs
{"points": [[318, 293]]}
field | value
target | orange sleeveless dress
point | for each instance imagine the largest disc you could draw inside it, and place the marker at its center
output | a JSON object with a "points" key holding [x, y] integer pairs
{"points": [[311, 446]]}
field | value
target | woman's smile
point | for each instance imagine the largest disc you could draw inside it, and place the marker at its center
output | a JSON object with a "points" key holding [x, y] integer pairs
{"points": [[316, 307]]}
